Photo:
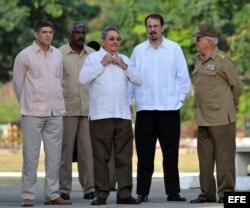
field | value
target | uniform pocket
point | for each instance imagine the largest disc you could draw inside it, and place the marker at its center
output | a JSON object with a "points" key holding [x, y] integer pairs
{"points": [[211, 111], [211, 106], [209, 78]]}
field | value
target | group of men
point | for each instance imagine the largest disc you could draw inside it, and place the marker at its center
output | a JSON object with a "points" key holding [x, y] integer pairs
{"points": [[76, 93]]}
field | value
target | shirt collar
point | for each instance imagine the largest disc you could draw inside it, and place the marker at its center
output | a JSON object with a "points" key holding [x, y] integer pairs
{"points": [[163, 43], [104, 52], [69, 49], [37, 48], [214, 53]]}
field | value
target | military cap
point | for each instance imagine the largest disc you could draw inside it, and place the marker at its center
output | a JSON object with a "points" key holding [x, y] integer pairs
{"points": [[206, 30]]}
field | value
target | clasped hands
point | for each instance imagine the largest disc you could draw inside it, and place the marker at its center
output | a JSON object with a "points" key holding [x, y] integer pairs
{"points": [[115, 59]]}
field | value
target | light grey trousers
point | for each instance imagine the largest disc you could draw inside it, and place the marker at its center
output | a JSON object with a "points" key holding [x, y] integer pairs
{"points": [[35, 129]]}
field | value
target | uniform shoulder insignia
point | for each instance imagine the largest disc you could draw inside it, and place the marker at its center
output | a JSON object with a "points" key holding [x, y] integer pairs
{"points": [[221, 54]]}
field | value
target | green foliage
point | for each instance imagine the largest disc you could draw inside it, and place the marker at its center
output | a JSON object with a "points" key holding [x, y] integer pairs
{"points": [[243, 115], [187, 111], [126, 16], [18, 18], [182, 19], [12, 21], [238, 49], [11, 15], [9, 110]]}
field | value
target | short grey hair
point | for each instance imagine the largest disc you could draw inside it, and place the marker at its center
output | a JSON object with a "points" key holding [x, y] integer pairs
{"points": [[74, 26], [107, 29], [213, 39]]}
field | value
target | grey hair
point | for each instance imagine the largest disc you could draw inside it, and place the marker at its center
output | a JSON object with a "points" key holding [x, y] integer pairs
{"points": [[107, 29], [214, 40], [74, 26]]}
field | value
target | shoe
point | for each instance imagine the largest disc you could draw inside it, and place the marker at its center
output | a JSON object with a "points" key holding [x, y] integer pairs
{"points": [[58, 201], [65, 196], [90, 195], [98, 201], [128, 200], [143, 198], [221, 200], [175, 197], [27, 203], [196, 201], [113, 189]]}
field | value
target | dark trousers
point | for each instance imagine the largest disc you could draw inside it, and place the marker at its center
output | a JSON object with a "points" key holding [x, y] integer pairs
{"points": [[112, 175], [104, 133], [164, 125]]}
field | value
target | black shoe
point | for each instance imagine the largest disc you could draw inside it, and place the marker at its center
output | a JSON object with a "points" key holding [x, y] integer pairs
{"points": [[143, 198], [90, 195], [175, 197], [128, 200], [196, 201], [113, 189], [65, 196], [221, 200], [98, 201]]}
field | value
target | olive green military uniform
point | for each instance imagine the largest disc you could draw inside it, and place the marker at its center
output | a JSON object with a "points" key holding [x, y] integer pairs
{"points": [[217, 91]]}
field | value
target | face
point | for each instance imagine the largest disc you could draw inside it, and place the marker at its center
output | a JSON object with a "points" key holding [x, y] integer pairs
{"points": [[154, 29], [201, 43], [77, 37], [44, 36], [111, 42]]}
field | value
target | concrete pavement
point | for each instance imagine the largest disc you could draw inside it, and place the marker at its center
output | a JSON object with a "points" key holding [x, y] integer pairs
{"points": [[10, 190]]}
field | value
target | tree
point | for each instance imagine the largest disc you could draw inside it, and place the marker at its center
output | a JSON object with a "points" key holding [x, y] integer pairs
{"points": [[182, 19], [19, 16], [13, 21], [238, 49], [230, 18]]}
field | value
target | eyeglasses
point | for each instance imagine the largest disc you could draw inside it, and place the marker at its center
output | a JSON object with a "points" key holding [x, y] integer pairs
{"points": [[118, 39]]}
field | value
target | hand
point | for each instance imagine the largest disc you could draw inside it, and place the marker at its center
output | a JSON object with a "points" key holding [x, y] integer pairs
{"points": [[237, 109], [119, 61], [107, 59]]}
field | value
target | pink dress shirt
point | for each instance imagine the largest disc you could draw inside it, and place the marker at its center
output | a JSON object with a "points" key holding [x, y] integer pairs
{"points": [[37, 82]]}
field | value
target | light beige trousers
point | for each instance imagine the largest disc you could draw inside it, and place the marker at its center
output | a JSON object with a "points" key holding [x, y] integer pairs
{"points": [[35, 129]]}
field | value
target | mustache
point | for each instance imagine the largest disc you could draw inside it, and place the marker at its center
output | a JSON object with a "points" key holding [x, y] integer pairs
{"points": [[153, 33], [80, 39]]}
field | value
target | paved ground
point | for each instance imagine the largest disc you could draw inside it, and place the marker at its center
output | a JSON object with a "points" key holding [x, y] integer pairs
{"points": [[10, 189]]}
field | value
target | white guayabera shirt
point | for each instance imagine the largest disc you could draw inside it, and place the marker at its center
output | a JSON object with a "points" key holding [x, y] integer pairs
{"points": [[108, 86]]}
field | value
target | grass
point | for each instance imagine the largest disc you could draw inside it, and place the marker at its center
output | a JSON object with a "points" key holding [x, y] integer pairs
{"points": [[188, 162]]}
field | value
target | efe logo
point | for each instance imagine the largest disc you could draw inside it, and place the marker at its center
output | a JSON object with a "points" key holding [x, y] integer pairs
{"points": [[236, 199]]}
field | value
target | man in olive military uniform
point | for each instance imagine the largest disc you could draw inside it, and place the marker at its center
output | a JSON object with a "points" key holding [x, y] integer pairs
{"points": [[217, 91]]}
